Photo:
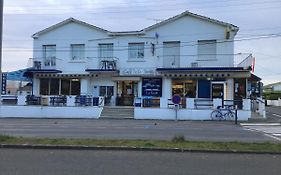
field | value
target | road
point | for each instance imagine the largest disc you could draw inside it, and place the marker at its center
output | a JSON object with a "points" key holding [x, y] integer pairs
{"points": [[60, 162], [130, 129], [271, 126]]}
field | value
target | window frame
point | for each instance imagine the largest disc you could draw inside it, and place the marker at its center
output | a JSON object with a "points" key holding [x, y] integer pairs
{"points": [[78, 49], [136, 53]]}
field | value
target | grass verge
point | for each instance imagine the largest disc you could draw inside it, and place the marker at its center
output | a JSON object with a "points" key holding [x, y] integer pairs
{"points": [[192, 145]]}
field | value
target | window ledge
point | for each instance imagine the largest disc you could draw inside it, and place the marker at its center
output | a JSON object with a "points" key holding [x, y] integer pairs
{"points": [[136, 60]]}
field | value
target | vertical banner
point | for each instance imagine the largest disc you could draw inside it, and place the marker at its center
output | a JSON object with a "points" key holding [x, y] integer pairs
{"points": [[4, 83]]}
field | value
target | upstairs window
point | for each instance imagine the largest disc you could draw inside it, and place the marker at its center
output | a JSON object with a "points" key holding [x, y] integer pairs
{"points": [[106, 50], [49, 51], [49, 55], [77, 51], [136, 50], [207, 50]]}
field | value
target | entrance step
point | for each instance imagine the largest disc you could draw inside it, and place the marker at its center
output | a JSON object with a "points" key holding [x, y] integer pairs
{"points": [[116, 112]]}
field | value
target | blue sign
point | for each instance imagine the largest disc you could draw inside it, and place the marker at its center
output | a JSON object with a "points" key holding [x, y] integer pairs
{"points": [[152, 87], [176, 99], [4, 83]]}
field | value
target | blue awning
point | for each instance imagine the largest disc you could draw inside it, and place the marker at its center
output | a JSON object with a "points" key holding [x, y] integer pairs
{"points": [[17, 75]]}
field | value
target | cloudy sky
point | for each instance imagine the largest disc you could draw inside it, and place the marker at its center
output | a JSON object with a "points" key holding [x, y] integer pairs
{"points": [[258, 20]]}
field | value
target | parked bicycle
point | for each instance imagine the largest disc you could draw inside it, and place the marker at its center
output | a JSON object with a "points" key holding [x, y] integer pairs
{"points": [[225, 113]]}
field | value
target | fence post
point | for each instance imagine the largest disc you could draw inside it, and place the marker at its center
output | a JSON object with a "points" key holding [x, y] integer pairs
{"points": [[236, 117]]}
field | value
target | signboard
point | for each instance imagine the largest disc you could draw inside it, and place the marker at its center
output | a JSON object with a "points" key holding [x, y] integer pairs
{"points": [[137, 71], [4, 83], [152, 87]]}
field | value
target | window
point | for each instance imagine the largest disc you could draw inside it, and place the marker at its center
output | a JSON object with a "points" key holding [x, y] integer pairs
{"points": [[54, 86], [65, 87], [49, 55], [77, 51], [136, 50], [106, 91], [207, 50], [184, 88], [60, 86], [44, 86], [75, 87], [106, 50]]}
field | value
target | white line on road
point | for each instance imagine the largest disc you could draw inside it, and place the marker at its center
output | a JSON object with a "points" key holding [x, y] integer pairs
{"points": [[277, 115], [260, 124]]}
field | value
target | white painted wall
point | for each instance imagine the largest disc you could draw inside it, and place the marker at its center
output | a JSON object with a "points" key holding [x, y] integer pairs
{"points": [[49, 112], [187, 30], [183, 114]]}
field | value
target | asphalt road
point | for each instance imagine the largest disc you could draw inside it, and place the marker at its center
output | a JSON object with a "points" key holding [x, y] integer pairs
{"points": [[60, 162], [130, 129]]}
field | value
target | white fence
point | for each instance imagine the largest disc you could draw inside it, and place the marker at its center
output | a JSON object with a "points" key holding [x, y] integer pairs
{"points": [[274, 102]]}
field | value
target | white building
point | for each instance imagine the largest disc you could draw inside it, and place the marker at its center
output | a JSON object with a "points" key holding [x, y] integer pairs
{"points": [[187, 55]]}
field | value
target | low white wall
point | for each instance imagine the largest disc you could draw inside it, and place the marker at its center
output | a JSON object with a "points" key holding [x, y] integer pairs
{"points": [[49, 112], [274, 102], [183, 114]]}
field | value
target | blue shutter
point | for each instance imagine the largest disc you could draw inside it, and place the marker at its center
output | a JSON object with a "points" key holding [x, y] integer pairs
{"points": [[204, 89]]}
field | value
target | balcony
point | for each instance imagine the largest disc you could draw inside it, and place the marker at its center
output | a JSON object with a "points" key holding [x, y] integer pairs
{"points": [[45, 63], [109, 63]]}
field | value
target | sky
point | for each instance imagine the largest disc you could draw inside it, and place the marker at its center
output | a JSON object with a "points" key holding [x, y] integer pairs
{"points": [[258, 21]]}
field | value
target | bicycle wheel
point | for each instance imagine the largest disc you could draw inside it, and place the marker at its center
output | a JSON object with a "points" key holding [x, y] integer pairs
{"points": [[229, 115], [216, 115]]}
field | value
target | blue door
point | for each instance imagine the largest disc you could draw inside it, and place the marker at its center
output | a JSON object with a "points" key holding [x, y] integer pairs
{"points": [[204, 89]]}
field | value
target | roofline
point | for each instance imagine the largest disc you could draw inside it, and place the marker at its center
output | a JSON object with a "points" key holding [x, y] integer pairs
{"points": [[140, 32], [272, 84], [231, 26], [37, 34]]}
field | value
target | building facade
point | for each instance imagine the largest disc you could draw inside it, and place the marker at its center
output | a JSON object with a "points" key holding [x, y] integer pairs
{"points": [[187, 55]]}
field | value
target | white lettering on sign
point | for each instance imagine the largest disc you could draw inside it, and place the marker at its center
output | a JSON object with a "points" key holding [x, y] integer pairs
{"points": [[137, 71]]}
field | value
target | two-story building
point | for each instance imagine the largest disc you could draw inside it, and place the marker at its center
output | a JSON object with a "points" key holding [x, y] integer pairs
{"points": [[189, 55]]}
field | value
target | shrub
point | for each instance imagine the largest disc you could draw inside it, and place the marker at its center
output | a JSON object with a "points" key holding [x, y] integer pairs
{"points": [[178, 138]]}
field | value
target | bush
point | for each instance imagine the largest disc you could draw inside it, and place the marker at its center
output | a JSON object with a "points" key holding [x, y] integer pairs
{"points": [[272, 95]]}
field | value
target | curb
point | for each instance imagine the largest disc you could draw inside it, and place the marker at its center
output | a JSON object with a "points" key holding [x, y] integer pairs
{"points": [[125, 148]]}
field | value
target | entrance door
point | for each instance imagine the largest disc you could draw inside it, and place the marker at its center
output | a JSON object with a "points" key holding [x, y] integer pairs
{"points": [[171, 52], [126, 93], [217, 90]]}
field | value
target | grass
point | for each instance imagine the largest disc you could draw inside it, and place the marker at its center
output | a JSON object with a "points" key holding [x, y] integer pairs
{"points": [[176, 142]]}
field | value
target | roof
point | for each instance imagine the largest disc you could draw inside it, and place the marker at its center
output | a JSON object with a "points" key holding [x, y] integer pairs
{"points": [[140, 32], [187, 13], [272, 84], [67, 21]]}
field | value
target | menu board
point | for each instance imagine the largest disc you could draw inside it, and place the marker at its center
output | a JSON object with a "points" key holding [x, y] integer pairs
{"points": [[152, 87]]}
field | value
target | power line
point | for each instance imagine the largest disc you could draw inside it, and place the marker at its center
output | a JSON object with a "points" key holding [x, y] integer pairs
{"points": [[186, 44]]}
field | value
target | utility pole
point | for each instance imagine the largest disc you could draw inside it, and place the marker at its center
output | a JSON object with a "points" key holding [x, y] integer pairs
{"points": [[1, 34]]}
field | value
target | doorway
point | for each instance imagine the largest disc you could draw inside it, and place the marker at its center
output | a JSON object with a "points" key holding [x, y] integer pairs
{"points": [[126, 93]]}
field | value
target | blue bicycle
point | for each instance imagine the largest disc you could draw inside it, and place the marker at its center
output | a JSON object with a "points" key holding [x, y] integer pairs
{"points": [[225, 113]]}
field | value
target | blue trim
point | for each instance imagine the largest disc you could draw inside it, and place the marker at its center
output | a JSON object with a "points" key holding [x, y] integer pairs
{"points": [[30, 72], [204, 69]]}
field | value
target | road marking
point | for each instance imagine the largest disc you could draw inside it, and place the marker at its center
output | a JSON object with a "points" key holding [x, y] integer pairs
{"points": [[272, 136], [260, 124], [277, 115]]}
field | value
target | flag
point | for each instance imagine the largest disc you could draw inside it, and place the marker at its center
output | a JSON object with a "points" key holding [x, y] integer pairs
{"points": [[253, 64]]}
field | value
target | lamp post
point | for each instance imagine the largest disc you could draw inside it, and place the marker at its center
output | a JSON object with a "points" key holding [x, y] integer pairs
{"points": [[1, 31]]}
